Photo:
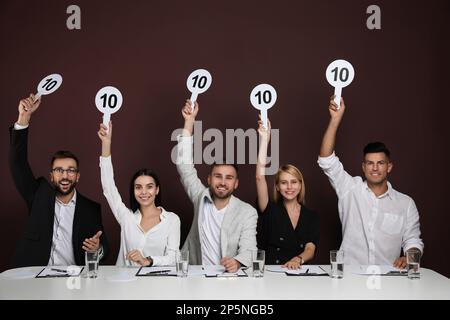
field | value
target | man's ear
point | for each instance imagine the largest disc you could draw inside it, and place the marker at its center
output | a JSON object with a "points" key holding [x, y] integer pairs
{"points": [[390, 166], [209, 179]]}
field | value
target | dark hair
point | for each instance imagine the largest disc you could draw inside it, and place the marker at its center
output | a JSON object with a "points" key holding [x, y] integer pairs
{"points": [[224, 163], [375, 147], [64, 154], [143, 172]]}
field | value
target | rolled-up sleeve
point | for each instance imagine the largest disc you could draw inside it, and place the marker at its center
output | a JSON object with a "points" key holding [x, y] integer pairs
{"points": [[340, 180], [411, 236]]}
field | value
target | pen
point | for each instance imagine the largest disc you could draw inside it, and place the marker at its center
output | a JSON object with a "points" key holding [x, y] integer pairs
{"points": [[307, 270], [158, 271], [58, 270]]}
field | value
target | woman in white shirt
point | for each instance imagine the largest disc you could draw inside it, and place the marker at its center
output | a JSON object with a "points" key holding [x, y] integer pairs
{"points": [[150, 235]]}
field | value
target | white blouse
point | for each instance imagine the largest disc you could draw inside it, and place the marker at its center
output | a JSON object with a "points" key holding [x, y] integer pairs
{"points": [[160, 242]]}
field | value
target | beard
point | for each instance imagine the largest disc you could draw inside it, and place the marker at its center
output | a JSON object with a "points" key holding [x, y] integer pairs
{"points": [[59, 189], [218, 195]]}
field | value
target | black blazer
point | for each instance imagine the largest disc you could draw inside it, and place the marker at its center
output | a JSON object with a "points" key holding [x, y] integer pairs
{"points": [[35, 246]]}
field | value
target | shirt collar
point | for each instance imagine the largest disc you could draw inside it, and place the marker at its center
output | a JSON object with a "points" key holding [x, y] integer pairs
{"points": [[389, 193], [72, 201], [163, 215]]}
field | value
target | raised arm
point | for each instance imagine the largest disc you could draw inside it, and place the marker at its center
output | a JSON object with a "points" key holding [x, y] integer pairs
{"points": [[341, 181], [110, 191], [185, 165], [20, 169], [329, 137], [261, 183]]}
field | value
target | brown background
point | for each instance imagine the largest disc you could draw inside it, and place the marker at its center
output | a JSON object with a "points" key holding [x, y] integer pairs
{"points": [[147, 49]]}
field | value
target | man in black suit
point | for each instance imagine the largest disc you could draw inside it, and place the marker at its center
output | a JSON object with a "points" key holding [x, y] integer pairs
{"points": [[62, 224]]}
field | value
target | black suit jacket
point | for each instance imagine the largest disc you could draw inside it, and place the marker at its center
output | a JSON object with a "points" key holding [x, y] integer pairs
{"points": [[35, 246]]}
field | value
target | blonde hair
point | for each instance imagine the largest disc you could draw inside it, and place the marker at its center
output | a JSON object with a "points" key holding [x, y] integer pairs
{"points": [[293, 170]]}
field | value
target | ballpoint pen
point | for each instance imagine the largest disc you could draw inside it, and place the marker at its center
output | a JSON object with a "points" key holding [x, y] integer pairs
{"points": [[158, 271], [307, 270], [58, 270]]}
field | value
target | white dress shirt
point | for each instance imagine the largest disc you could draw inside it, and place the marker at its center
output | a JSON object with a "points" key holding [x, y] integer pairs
{"points": [[212, 219], [160, 243], [374, 229], [62, 249]]}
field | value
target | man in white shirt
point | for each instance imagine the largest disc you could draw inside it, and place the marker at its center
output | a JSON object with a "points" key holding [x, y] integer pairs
{"points": [[224, 228], [377, 221], [62, 223]]}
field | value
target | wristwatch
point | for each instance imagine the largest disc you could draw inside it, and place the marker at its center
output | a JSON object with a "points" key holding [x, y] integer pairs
{"points": [[301, 260]]}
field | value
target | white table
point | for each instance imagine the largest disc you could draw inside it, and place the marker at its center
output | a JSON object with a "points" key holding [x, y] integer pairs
{"points": [[273, 286]]}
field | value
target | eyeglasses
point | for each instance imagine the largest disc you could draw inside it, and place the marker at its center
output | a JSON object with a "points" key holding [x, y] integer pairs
{"points": [[60, 171]]}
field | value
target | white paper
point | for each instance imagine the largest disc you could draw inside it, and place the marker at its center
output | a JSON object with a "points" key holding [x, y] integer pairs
{"points": [[148, 271], [196, 271], [377, 270], [60, 271], [305, 269], [219, 271]]}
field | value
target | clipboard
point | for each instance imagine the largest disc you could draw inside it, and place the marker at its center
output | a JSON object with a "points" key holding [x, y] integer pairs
{"points": [[156, 273], [309, 274], [64, 274], [227, 275]]}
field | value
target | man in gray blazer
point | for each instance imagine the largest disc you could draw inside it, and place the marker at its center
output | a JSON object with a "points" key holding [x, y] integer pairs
{"points": [[224, 228]]}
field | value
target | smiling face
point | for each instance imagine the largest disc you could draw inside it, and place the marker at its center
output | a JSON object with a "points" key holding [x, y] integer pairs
{"points": [[288, 186], [145, 190], [223, 181], [376, 167], [64, 175]]}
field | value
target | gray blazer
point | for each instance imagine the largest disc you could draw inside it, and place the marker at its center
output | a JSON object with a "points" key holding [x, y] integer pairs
{"points": [[238, 230]]}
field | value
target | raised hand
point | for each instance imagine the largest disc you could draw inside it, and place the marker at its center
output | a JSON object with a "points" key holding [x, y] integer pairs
{"points": [[104, 133], [264, 132], [187, 112], [26, 108], [335, 112]]}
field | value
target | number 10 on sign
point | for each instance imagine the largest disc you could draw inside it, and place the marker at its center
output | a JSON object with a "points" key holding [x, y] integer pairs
{"points": [[108, 100], [263, 97], [340, 73], [198, 82]]}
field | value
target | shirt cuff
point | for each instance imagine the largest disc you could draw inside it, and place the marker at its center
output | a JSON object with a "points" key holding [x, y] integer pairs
{"points": [[105, 160], [413, 245], [326, 162], [185, 139], [19, 126]]}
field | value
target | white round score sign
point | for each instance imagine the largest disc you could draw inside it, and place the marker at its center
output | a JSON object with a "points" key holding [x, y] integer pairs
{"points": [[340, 73], [108, 101], [48, 85], [198, 82], [263, 97]]}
